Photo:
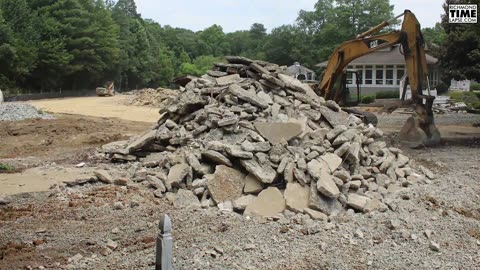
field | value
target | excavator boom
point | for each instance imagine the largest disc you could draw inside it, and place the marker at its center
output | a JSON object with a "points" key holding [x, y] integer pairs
{"points": [[419, 129]]}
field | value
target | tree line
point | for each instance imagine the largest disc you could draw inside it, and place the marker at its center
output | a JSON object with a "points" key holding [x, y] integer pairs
{"points": [[48, 45]]}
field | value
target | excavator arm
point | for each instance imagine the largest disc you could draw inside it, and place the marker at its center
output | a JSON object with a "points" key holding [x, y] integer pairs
{"points": [[417, 131], [348, 52]]}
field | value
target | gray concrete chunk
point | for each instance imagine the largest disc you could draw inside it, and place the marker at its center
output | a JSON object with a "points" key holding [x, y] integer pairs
{"points": [[265, 173], [217, 157], [269, 202], [275, 132], [296, 197], [226, 184], [247, 96], [252, 184]]}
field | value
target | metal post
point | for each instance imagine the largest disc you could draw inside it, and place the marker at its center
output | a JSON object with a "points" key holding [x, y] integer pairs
{"points": [[164, 254]]}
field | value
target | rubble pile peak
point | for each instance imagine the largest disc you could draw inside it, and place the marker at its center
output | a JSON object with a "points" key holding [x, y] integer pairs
{"points": [[246, 137]]}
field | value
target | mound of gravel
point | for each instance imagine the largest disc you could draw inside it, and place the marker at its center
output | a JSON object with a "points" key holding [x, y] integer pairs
{"points": [[160, 97], [20, 111]]}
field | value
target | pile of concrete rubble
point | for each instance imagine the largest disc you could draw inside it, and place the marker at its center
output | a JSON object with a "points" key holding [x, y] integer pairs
{"points": [[248, 138]]}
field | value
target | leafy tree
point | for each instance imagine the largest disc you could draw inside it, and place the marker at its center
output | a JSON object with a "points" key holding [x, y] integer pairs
{"points": [[280, 44], [258, 31], [212, 41], [19, 50], [461, 52], [435, 38]]}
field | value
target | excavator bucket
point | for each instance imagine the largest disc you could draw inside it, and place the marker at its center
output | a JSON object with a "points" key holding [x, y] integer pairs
{"points": [[419, 130]]}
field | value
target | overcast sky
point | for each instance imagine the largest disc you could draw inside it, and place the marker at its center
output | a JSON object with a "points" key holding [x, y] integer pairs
{"points": [[235, 15]]}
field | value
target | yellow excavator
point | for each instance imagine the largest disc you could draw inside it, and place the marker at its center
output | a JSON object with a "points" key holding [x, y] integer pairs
{"points": [[419, 130]]}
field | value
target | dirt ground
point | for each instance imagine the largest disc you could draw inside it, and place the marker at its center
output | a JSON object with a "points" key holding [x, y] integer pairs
{"points": [[111, 107], [44, 229], [47, 150]]}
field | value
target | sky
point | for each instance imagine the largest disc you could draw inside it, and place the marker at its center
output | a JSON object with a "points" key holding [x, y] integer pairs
{"points": [[235, 15]]}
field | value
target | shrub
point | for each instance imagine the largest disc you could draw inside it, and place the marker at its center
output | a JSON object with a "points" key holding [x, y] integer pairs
{"points": [[474, 86], [368, 99], [467, 97], [442, 88], [476, 105], [387, 94], [6, 167]]}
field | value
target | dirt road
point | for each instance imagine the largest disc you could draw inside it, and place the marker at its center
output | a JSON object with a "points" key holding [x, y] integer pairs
{"points": [[110, 107]]}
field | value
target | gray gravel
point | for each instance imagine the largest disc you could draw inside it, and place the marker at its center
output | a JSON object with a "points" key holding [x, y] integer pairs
{"points": [[440, 119], [21, 111], [82, 220]]}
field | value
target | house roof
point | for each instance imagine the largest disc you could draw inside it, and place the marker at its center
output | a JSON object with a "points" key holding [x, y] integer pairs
{"points": [[389, 56], [296, 68]]}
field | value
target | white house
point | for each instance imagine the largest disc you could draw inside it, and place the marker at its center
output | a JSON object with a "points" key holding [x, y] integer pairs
{"points": [[383, 70], [300, 72]]}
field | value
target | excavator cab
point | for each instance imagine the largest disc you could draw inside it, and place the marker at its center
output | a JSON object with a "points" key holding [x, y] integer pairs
{"points": [[344, 94]]}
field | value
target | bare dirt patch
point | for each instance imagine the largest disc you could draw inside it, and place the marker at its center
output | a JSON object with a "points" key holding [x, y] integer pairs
{"points": [[112, 107], [57, 137]]}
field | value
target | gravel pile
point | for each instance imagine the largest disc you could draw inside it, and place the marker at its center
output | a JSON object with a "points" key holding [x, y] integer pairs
{"points": [[21, 111], [153, 97]]}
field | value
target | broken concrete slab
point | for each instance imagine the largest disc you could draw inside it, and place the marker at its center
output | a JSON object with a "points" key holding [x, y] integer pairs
{"points": [[329, 206], [256, 146], [226, 184], [103, 176], [141, 141], [156, 183], [227, 80], [293, 83], [217, 157], [296, 197], [357, 201], [326, 186], [236, 151], [316, 215], [332, 160], [248, 96], [334, 118], [264, 172], [177, 174], [252, 184], [242, 202], [259, 68], [269, 202], [186, 199], [276, 132]]}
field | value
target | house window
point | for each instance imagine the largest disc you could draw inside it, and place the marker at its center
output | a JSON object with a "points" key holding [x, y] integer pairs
{"points": [[379, 75], [389, 75], [360, 75], [368, 75], [433, 77], [400, 73], [349, 77]]}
